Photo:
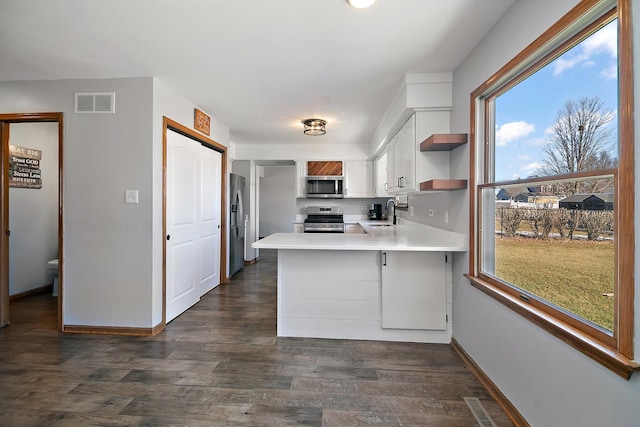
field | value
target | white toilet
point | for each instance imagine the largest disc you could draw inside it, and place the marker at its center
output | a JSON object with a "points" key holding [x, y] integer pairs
{"points": [[52, 267]]}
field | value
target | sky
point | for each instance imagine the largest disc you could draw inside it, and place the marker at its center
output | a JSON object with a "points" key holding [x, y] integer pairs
{"points": [[526, 112]]}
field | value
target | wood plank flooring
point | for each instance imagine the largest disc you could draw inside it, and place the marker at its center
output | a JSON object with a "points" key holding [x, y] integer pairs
{"points": [[221, 364]]}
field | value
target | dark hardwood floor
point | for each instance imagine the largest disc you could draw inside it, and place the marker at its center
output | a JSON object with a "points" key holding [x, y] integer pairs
{"points": [[221, 364]]}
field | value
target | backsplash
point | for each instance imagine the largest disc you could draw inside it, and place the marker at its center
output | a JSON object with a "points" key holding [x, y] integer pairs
{"points": [[349, 206]]}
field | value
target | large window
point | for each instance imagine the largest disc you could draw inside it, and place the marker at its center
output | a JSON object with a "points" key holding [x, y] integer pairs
{"points": [[552, 174]]}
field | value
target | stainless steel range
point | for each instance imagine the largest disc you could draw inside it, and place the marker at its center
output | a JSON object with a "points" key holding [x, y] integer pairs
{"points": [[324, 219]]}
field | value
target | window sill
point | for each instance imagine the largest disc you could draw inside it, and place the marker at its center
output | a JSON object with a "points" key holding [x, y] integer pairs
{"points": [[596, 350]]}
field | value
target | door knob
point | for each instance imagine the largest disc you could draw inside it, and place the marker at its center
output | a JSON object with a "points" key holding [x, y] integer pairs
{"points": [[168, 236]]}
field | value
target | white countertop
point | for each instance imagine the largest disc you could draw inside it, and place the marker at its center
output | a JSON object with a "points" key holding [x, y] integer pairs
{"points": [[381, 236]]}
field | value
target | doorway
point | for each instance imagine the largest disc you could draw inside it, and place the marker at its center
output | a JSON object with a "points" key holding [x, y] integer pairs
{"points": [[194, 217], [6, 121]]}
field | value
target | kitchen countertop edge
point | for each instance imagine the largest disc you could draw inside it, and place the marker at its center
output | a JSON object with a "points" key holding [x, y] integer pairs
{"points": [[407, 236]]}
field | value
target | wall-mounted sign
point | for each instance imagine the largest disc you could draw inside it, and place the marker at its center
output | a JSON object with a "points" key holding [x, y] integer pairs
{"points": [[201, 122], [24, 167]]}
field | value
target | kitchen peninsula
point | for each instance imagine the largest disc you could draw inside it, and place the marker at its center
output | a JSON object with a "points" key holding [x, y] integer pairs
{"points": [[392, 283]]}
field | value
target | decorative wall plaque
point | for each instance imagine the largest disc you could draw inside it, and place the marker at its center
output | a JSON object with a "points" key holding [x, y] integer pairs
{"points": [[202, 122], [24, 167]]}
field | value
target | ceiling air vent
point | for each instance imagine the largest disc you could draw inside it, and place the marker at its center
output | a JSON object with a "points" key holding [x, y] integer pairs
{"points": [[95, 102]]}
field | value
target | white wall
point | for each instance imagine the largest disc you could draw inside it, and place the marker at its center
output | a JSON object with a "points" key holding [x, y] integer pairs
{"points": [[549, 382], [33, 213], [277, 200], [107, 270], [112, 250]]}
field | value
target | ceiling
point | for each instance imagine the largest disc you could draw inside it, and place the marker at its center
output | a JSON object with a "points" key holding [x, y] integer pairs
{"points": [[257, 66]]}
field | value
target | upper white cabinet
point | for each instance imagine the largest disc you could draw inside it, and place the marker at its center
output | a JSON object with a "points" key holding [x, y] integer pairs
{"points": [[391, 158], [380, 179], [301, 174], [418, 155], [358, 177], [419, 92], [420, 115], [401, 162]]}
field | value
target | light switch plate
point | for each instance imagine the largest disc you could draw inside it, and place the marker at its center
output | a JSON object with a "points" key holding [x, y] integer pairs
{"points": [[131, 196]]}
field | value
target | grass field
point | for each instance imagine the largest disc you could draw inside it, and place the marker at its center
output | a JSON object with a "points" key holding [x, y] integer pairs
{"points": [[570, 274]]}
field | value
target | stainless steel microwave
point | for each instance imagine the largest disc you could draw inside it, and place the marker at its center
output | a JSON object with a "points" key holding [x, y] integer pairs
{"points": [[324, 187]]}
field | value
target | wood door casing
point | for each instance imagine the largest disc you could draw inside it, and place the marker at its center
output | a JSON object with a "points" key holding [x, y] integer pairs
{"points": [[5, 120], [4, 225]]}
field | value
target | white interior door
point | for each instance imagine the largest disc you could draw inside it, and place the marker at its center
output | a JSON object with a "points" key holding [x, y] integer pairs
{"points": [[209, 259], [193, 222]]}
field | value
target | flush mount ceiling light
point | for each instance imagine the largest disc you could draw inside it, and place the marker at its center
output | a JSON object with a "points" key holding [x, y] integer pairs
{"points": [[314, 127], [361, 4]]}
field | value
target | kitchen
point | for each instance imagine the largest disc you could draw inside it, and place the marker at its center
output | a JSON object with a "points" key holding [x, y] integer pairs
{"points": [[486, 329], [338, 220]]}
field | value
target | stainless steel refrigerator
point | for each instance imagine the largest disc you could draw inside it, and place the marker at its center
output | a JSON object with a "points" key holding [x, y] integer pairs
{"points": [[236, 223]]}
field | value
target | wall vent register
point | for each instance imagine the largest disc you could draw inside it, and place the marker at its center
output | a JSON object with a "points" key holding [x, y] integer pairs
{"points": [[95, 102]]}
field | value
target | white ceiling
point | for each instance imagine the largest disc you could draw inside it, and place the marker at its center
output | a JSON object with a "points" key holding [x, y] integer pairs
{"points": [[258, 66]]}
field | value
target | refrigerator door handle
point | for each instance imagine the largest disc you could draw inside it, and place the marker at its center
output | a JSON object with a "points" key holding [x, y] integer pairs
{"points": [[240, 216]]}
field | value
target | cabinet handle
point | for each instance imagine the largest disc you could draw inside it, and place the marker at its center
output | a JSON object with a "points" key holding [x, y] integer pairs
{"points": [[386, 186], [384, 254]]}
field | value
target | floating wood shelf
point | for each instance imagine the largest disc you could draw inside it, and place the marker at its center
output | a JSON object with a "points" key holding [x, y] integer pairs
{"points": [[443, 141], [443, 185]]}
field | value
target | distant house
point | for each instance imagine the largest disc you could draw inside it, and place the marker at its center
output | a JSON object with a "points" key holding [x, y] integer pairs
{"points": [[522, 197], [588, 202], [503, 195]]}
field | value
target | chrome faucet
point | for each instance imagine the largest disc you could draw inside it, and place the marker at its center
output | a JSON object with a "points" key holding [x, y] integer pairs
{"points": [[391, 201]]}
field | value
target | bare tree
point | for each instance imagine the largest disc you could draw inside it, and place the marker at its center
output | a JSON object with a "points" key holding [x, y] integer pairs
{"points": [[580, 141]]}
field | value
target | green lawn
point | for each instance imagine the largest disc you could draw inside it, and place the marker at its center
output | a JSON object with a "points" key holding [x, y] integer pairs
{"points": [[569, 274]]}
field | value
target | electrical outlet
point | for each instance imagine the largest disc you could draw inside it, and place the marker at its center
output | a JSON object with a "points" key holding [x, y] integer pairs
{"points": [[363, 207], [446, 217], [430, 212]]}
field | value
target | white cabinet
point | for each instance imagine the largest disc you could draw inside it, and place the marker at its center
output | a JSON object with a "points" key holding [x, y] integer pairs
{"points": [[409, 149], [380, 179], [358, 177], [401, 159], [298, 228], [353, 229], [301, 174], [414, 290], [392, 183]]}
